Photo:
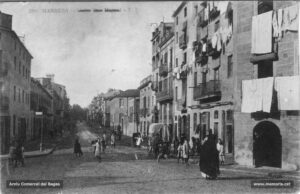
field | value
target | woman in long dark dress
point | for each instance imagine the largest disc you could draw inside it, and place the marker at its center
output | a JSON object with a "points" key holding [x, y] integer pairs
{"points": [[209, 157], [77, 148]]}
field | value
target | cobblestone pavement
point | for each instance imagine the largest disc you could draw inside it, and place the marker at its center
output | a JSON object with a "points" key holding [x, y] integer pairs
{"points": [[121, 172]]}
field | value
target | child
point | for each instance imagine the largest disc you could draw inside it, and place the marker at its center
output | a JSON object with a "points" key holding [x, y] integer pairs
{"points": [[220, 149], [179, 152]]}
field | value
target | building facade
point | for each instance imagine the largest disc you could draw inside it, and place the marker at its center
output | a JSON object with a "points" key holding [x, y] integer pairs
{"points": [[41, 110], [148, 110], [119, 109], [15, 70]]}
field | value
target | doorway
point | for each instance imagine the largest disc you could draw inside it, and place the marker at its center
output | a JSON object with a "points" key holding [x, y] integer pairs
{"points": [[267, 145]]}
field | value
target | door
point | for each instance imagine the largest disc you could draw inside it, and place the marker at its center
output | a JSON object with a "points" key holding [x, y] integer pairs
{"points": [[267, 145], [5, 133]]}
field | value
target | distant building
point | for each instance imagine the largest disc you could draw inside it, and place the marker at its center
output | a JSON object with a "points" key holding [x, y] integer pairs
{"points": [[119, 109], [40, 103], [148, 109], [15, 70]]}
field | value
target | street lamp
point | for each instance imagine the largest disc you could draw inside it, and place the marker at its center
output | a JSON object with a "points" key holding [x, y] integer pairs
{"points": [[41, 114]]}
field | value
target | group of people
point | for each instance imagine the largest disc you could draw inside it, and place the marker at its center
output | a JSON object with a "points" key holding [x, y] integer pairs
{"points": [[16, 153], [98, 144]]}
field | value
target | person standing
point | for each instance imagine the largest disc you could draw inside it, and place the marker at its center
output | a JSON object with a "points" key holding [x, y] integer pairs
{"points": [[102, 142], [139, 141], [12, 152], [185, 151], [220, 149], [113, 140], [209, 160], [175, 144], [77, 148], [97, 146], [19, 154], [180, 152]]}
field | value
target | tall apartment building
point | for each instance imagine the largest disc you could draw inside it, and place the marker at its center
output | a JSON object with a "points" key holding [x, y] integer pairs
{"points": [[148, 110], [266, 83], [15, 68], [164, 94], [237, 73], [40, 101]]}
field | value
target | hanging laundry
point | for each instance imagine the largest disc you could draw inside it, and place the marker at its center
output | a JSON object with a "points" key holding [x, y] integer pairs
{"points": [[262, 33], [204, 48], [219, 43], [267, 92], [206, 13], [249, 88], [275, 25], [214, 40], [222, 6], [291, 18], [279, 21], [288, 92]]}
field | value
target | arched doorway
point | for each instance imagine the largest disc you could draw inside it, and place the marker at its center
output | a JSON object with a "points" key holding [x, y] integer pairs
{"points": [[267, 145]]}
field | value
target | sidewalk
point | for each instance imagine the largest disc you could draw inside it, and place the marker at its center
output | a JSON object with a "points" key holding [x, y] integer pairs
{"points": [[32, 154]]}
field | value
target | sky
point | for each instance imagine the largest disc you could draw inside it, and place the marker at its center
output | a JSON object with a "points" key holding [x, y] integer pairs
{"points": [[89, 52]]}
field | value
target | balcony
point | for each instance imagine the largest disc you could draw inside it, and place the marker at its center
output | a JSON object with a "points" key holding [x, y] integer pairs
{"points": [[183, 41], [144, 112], [4, 103], [163, 70], [166, 91], [207, 90]]}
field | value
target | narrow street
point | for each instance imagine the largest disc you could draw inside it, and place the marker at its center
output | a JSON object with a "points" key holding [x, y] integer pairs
{"points": [[121, 172]]}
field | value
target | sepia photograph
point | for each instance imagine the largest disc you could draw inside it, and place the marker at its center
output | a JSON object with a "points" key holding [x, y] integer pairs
{"points": [[149, 97]]}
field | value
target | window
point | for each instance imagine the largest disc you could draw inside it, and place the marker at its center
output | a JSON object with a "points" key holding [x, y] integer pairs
{"points": [[149, 101], [15, 62], [195, 122], [23, 71], [176, 93], [15, 45], [176, 37], [229, 66], [264, 6], [20, 67], [185, 11], [19, 95], [195, 79], [204, 77], [216, 127], [216, 114], [229, 139], [171, 58], [176, 62], [23, 96], [14, 125], [15, 91], [217, 25], [184, 58], [166, 58], [265, 69], [120, 102], [177, 20], [216, 74], [152, 100]]}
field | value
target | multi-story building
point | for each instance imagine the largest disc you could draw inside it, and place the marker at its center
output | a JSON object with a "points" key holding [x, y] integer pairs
{"points": [[41, 110], [134, 116], [59, 100], [148, 110], [106, 105], [164, 94], [238, 74], [15, 69], [266, 82], [119, 109]]}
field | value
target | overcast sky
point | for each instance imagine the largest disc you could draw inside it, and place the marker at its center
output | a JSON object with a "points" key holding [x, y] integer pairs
{"points": [[89, 52]]}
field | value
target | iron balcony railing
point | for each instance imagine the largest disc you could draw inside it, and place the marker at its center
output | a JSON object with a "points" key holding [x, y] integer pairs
{"points": [[183, 41], [165, 92], [163, 70], [207, 90]]}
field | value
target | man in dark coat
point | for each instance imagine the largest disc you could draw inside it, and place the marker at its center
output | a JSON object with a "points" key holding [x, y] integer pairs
{"points": [[77, 148]]}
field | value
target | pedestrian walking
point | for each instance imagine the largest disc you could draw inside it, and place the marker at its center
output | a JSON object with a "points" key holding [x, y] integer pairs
{"points": [[19, 154], [119, 132], [139, 141], [185, 152], [12, 153], [175, 145], [180, 152], [209, 158], [220, 149], [77, 148], [103, 144], [97, 153], [113, 140]]}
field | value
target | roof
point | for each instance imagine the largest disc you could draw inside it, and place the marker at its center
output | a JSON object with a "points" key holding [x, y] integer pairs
{"points": [[129, 93], [183, 3], [40, 86]]}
